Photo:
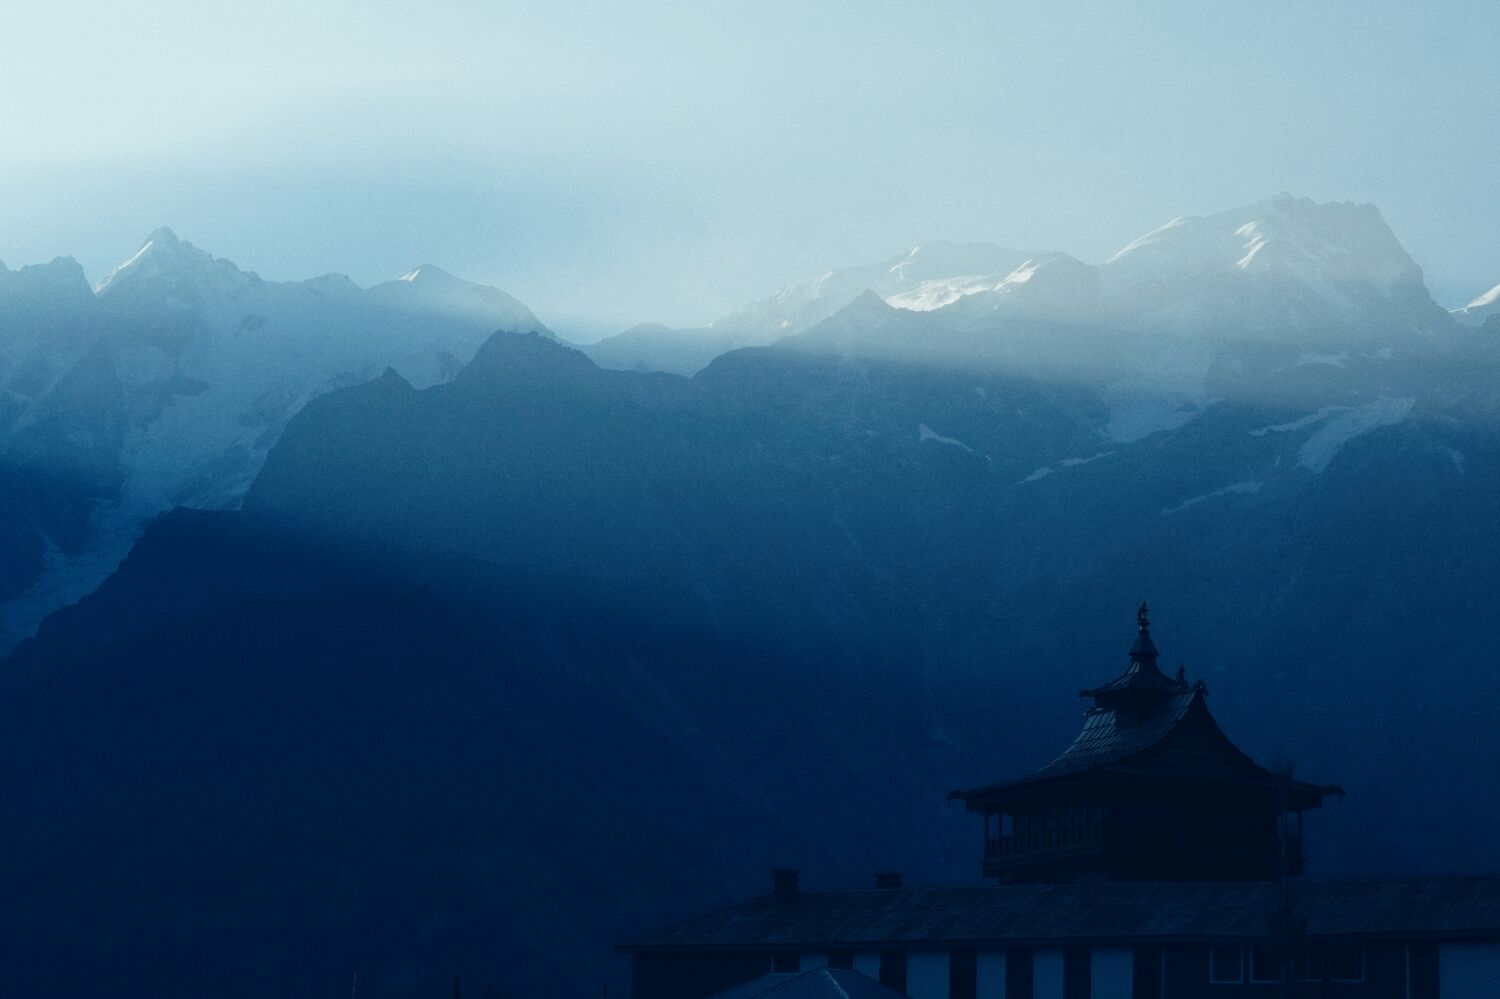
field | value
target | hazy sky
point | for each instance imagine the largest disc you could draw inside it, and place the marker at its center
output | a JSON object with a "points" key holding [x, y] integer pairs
{"points": [[619, 162]]}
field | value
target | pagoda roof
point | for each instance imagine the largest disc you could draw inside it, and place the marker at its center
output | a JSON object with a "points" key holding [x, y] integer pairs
{"points": [[1105, 738], [1144, 723], [1142, 674]]}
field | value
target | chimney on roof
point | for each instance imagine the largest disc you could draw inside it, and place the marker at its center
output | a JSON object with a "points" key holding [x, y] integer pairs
{"points": [[784, 884], [888, 879]]}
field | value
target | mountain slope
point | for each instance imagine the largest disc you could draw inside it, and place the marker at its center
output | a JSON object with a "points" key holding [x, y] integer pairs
{"points": [[169, 384], [816, 588]]}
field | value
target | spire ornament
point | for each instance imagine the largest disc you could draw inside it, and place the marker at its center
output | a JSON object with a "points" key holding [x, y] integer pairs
{"points": [[1143, 617]]}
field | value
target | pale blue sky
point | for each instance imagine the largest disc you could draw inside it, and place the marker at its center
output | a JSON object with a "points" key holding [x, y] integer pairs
{"points": [[619, 162]]}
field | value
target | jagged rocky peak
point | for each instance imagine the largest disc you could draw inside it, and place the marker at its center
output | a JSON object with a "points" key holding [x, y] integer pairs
{"points": [[430, 288], [63, 278], [1297, 237], [532, 359], [1286, 268], [166, 264]]}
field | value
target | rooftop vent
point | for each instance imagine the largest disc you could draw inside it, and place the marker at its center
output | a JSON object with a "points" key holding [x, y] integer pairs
{"points": [[783, 884]]}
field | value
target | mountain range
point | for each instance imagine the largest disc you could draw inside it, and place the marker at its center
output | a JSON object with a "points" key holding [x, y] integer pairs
{"points": [[487, 670], [167, 384]]}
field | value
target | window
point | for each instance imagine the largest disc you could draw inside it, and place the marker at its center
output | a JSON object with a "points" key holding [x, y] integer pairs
{"points": [[786, 960], [893, 968], [1018, 972], [1265, 965], [1078, 972], [1226, 965], [1346, 963], [841, 959], [1148, 977], [1422, 971], [1310, 964], [963, 974]]}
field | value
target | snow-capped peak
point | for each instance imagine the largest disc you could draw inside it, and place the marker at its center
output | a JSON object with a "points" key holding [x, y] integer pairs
{"points": [[1282, 264], [164, 236], [1296, 237], [164, 256], [428, 274]]}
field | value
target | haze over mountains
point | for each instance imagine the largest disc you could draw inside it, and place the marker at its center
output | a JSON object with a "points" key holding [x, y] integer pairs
{"points": [[505, 645], [1257, 268], [167, 385]]}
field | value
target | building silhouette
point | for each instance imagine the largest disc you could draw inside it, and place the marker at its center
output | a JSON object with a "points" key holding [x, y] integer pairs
{"points": [[1153, 859], [1151, 789]]}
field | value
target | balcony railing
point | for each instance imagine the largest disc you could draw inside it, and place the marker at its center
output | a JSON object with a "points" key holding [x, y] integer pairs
{"points": [[1064, 837]]}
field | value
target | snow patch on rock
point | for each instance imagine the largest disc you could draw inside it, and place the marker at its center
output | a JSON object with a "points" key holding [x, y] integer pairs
{"points": [[1046, 470], [1246, 487], [926, 433], [1319, 449]]}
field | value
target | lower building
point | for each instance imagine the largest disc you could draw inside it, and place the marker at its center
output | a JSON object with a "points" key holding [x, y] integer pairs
{"points": [[1420, 938], [1152, 859]]}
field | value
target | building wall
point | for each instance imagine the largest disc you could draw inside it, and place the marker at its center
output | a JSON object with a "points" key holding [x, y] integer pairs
{"points": [[1047, 973], [991, 975], [1469, 970], [1466, 971], [927, 974], [1113, 971]]}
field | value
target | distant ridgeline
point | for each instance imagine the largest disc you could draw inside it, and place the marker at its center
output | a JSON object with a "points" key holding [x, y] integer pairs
{"points": [[485, 674]]}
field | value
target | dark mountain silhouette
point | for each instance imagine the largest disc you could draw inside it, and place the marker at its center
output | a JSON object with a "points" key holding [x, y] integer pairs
{"points": [[489, 672], [485, 674]]}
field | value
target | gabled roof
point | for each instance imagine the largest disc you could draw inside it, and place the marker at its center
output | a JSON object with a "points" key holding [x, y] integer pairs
{"points": [[820, 983], [1117, 911]]}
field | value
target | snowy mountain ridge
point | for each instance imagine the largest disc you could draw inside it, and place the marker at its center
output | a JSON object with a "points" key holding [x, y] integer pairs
{"points": [[167, 383], [1328, 272]]}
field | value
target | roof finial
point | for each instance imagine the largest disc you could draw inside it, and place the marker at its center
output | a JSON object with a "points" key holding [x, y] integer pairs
{"points": [[1142, 617]]}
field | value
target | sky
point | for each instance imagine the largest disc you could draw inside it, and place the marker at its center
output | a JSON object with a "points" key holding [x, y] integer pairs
{"points": [[614, 163]]}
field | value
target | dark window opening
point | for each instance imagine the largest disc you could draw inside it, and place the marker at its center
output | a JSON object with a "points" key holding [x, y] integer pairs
{"points": [[1265, 966], [1147, 977], [963, 974], [893, 968], [841, 959], [786, 960], [1422, 971], [1226, 965], [1310, 964], [1078, 972], [1018, 973], [1346, 963]]}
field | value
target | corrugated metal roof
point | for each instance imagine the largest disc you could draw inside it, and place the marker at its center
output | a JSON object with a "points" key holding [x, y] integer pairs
{"points": [[1123, 911]]}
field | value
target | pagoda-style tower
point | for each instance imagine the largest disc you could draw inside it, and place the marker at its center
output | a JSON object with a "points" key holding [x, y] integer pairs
{"points": [[1151, 790]]}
